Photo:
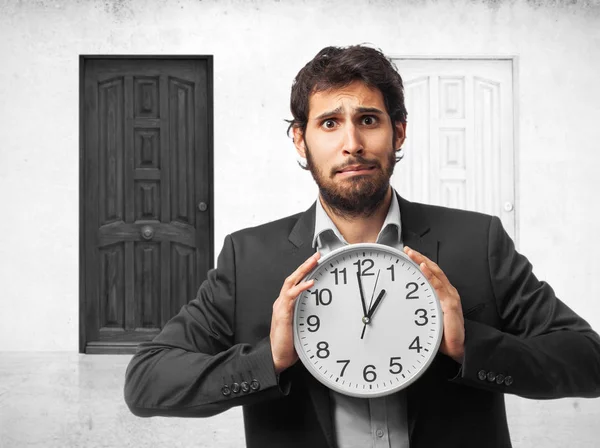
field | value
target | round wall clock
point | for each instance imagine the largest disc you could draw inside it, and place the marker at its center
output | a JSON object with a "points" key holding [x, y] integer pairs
{"points": [[371, 324]]}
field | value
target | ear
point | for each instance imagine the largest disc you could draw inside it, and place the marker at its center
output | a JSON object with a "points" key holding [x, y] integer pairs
{"points": [[299, 142], [400, 134]]}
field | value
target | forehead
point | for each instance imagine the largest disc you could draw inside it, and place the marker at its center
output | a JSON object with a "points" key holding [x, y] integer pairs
{"points": [[354, 95]]}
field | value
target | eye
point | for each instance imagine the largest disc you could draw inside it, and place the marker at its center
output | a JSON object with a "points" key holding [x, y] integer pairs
{"points": [[369, 120], [328, 124]]}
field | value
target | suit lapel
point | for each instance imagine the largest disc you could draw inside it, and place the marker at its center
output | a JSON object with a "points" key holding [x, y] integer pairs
{"points": [[415, 234], [416, 229]]}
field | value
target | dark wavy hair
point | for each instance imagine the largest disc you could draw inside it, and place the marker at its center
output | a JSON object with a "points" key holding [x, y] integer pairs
{"points": [[335, 67]]}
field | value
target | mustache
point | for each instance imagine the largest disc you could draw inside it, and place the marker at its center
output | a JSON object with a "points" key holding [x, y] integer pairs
{"points": [[356, 161]]}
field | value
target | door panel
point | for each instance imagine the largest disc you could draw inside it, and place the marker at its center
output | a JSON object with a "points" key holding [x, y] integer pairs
{"points": [[147, 242], [459, 150]]}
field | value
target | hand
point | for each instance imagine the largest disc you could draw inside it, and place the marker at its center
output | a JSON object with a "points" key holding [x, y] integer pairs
{"points": [[367, 317], [376, 304], [362, 295], [282, 335], [453, 341]]}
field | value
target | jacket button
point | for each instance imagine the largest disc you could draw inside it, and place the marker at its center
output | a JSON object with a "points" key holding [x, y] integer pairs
{"points": [[508, 380], [235, 387], [255, 385], [491, 377], [499, 378], [482, 375], [245, 387], [225, 390]]}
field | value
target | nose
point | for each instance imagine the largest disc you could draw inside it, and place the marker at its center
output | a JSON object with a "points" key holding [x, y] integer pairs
{"points": [[352, 140]]}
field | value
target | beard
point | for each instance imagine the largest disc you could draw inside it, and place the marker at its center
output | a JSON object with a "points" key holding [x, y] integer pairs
{"points": [[356, 196]]}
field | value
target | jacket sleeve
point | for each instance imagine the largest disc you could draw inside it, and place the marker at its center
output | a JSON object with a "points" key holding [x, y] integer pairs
{"points": [[192, 366], [543, 349]]}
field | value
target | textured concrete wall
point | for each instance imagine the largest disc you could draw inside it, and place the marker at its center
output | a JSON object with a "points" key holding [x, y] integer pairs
{"points": [[258, 47]]}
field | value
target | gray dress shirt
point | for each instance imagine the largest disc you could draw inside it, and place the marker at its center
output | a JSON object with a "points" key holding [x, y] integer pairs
{"points": [[361, 422]]}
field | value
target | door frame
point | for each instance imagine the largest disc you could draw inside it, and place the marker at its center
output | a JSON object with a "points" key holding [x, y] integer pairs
{"points": [[83, 175], [514, 60]]}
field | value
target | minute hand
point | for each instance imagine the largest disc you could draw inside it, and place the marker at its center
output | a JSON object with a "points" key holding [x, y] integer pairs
{"points": [[362, 296], [376, 304]]}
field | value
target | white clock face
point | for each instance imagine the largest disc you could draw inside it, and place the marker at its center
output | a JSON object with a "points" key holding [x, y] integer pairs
{"points": [[374, 349]]}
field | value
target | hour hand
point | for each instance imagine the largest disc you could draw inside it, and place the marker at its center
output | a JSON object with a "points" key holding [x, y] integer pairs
{"points": [[362, 296], [376, 304]]}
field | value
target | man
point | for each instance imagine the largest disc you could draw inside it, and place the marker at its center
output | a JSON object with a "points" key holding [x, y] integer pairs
{"points": [[504, 331]]}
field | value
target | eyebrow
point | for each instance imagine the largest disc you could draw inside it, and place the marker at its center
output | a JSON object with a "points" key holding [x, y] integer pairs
{"points": [[360, 110]]}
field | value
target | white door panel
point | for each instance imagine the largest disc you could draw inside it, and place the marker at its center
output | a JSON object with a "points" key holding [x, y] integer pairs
{"points": [[459, 149]]}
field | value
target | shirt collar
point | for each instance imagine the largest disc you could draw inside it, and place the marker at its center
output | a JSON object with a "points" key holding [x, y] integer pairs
{"points": [[324, 224]]}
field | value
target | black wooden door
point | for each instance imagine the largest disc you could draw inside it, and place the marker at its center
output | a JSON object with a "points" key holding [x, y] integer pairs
{"points": [[146, 190]]}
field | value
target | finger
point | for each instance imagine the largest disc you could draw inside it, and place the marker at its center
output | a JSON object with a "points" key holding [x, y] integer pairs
{"points": [[295, 277], [432, 278], [295, 291], [419, 258], [447, 294], [287, 298]]}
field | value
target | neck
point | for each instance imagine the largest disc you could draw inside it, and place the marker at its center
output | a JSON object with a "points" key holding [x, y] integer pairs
{"points": [[360, 229]]}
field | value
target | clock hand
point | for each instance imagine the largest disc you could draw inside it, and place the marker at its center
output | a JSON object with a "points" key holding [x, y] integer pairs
{"points": [[376, 304], [362, 296], [373, 294], [366, 317]]}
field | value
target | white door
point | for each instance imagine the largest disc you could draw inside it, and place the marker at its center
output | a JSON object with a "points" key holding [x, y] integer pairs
{"points": [[459, 149]]}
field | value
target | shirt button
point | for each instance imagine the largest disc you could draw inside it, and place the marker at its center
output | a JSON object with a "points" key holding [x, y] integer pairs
{"points": [[245, 387], [499, 378], [235, 387], [255, 385], [226, 391], [508, 380], [482, 375], [380, 433], [491, 377]]}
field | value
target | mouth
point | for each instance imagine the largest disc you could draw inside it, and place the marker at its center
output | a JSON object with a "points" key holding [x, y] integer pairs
{"points": [[356, 169]]}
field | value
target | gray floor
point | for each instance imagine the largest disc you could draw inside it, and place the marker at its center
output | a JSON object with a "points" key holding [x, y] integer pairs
{"points": [[71, 400]]}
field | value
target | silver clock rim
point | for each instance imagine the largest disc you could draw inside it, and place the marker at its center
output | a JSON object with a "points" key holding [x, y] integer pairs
{"points": [[304, 357]]}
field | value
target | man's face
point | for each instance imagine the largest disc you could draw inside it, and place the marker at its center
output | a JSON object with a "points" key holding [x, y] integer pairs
{"points": [[349, 147]]}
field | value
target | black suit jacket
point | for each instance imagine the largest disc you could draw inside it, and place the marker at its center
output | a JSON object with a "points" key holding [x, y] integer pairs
{"points": [[514, 327]]}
